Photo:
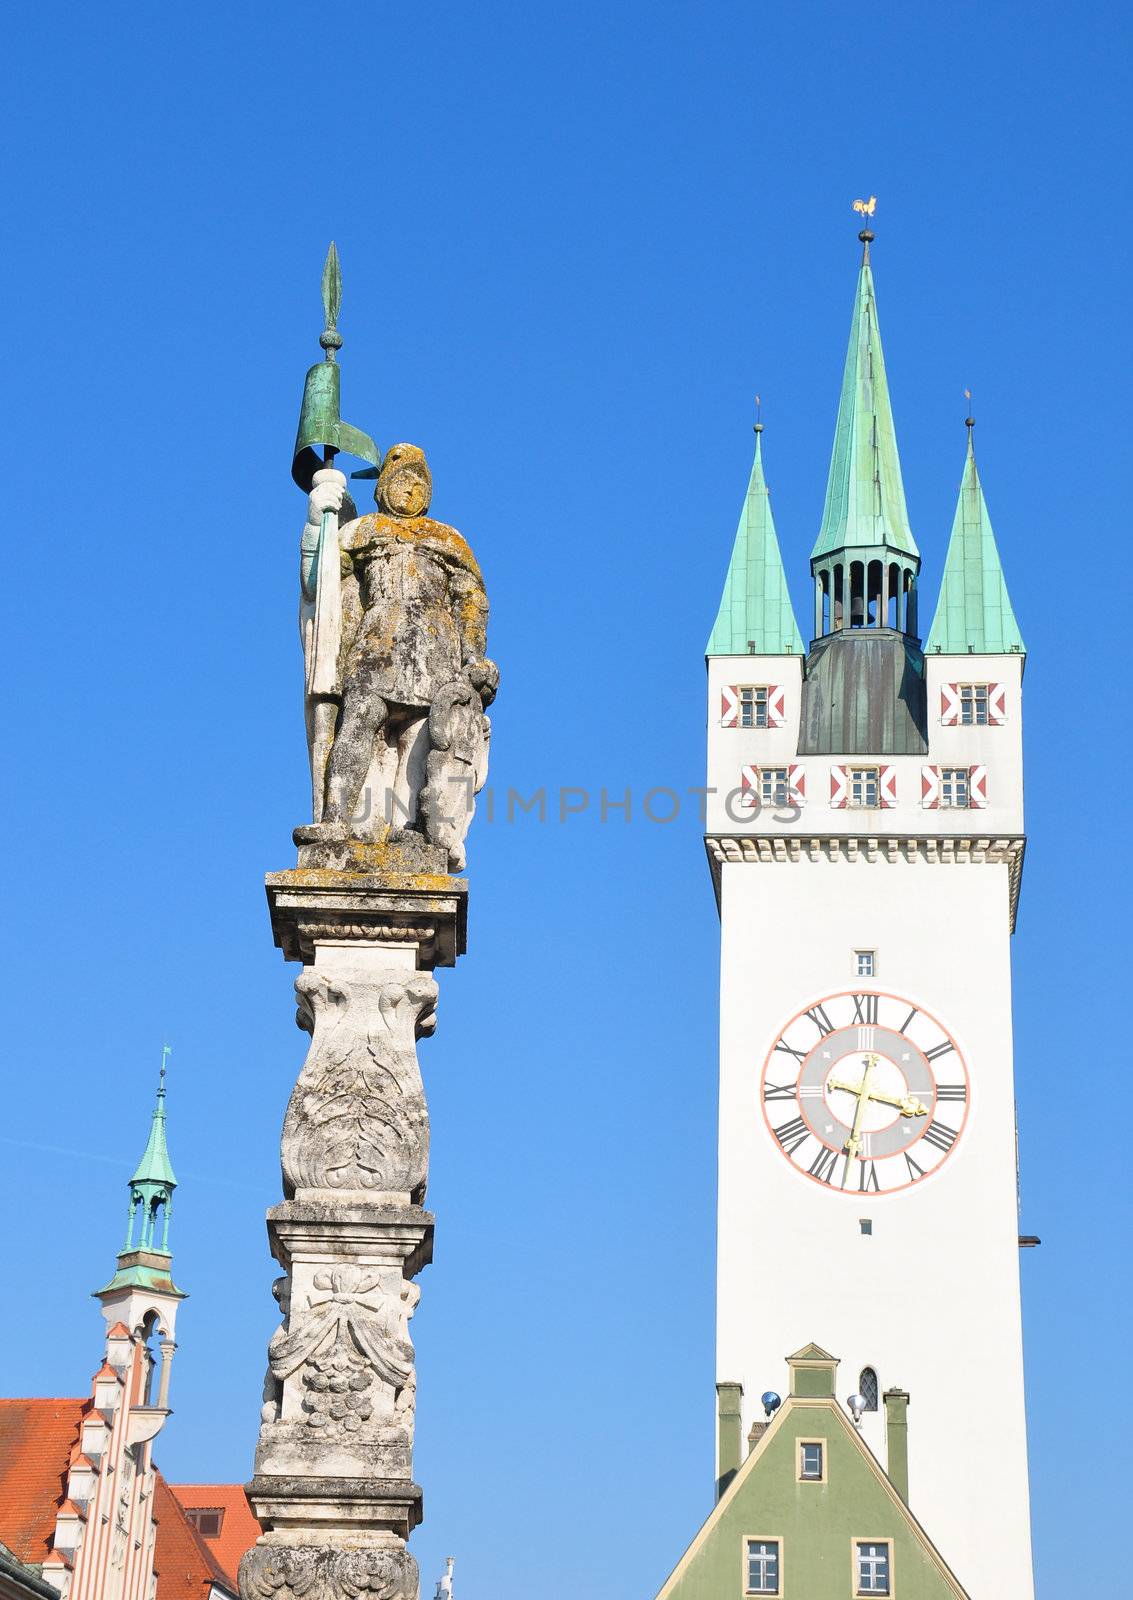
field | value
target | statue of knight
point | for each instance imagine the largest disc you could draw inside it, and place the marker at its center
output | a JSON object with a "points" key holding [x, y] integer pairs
{"points": [[393, 617]]}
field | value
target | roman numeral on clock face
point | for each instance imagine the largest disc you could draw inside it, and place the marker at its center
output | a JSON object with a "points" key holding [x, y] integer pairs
{"points": [[792, 1134], [940, 1049], [821, 1021], [940, 1136], [780, 1091], [915, 1171], [952, 1091], [865, 1008], [823, 1164], [789, 1050], [867, 1177]]}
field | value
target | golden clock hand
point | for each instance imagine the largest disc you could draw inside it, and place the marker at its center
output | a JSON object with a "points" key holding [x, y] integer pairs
{"points": [[908, 1105], [854, 1142]]}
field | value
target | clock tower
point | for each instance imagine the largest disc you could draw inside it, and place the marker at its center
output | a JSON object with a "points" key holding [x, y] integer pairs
{"points": [[865, 833]]}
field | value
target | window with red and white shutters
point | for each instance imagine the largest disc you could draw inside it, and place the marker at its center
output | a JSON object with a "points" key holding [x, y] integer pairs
{"points": [[752, 786], [841, 787], [731, 698], [952, 697], [931, 788]]}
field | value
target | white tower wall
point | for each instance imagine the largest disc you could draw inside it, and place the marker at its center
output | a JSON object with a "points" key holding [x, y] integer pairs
{"points": [[930, 1297]]}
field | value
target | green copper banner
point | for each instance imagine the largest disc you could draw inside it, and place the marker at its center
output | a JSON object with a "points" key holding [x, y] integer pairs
{"points": [[320, 426]]}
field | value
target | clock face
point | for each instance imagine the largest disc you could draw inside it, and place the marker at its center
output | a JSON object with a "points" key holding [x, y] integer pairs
{"points": [[865, 1093]]}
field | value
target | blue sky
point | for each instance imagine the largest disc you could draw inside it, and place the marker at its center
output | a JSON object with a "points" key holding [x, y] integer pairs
{"points": [[575, 241]]}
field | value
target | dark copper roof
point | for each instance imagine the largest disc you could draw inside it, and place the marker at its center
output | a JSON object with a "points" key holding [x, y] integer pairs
{"points": [[864, 695]]}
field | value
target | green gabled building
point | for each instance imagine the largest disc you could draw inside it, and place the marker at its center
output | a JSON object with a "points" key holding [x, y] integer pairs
{"points": [[811, 1514]]}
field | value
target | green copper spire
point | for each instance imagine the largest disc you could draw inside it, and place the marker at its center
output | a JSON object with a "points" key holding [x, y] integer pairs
{"points": [[755, 615], [151, 1204], [153, 1183], [973, 614], [865, 497]]}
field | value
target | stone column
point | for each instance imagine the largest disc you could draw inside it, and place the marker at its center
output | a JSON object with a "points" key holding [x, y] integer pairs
{"points": [[333, 1485]]}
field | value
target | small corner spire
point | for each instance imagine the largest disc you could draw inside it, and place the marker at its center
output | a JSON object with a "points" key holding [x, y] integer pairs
{"points": [[755, 616]]}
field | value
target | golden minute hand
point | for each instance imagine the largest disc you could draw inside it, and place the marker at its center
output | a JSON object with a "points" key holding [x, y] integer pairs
{"points": [[854, 1142], [907, 1104]]}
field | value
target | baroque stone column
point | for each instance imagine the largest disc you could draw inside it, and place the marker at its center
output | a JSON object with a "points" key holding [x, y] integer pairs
{"points": [[393, 623], [333, 1485]]}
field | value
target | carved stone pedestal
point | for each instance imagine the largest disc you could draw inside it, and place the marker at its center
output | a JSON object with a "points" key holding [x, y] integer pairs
{"points": [[333, 1485]]}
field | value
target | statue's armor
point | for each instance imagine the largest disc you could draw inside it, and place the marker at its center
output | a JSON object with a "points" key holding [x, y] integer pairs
{"points": [[408, 641]]}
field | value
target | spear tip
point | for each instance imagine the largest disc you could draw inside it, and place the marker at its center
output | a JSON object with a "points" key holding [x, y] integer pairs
{"points": [[330, 339]]}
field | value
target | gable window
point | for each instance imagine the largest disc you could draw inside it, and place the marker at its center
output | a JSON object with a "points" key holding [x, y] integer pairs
{"points": [[763, 1567], [973, 704], [206, 1519], [867, 1388], [753, 705], [955, 788], [864, 788], [812, 1461], [873, 1563]]}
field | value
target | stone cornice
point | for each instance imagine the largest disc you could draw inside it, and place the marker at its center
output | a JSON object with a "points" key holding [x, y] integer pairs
{"points": [[937, 849]]}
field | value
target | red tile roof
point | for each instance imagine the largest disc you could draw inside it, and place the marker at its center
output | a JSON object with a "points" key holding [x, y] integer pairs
{"points": [[36, 1439], [239, 1529], [186, 1568]]}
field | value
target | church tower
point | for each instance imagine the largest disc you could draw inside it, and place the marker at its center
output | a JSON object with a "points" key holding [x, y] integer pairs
{"points": [[865, 833]]}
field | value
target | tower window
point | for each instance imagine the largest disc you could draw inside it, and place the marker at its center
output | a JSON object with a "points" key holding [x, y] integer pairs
{"points": [[763, 1567], [973, 704], [753, 706], [864, 788], [955, 788], [865, 963], [867, 1388], [873, 1561], [774, 787], [812, 1461]]}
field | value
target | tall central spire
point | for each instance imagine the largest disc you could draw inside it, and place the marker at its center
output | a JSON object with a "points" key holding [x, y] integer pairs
{"points": [[865, 497], [865, 560]]}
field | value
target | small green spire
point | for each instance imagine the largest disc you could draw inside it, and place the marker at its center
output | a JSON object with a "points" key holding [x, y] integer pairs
{"points": [[865, 497], [755, 615], [973, 614], [153, 1182]]}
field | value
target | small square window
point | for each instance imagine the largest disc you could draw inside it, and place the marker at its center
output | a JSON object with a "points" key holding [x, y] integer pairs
{"points": [[955, 788], [762, 1566], [865, 788], [774, 789], [866, 1224], [810, 1460], [753, 706], [872, 1562], [865, 963], [973, 704]]}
